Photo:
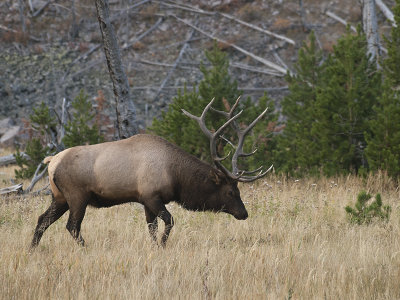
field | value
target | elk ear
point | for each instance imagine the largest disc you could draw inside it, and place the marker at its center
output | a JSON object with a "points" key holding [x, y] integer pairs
{"points": [[214, 177]]}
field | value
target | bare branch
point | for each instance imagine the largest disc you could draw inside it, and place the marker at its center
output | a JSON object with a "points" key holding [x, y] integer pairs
{"points": [[10, 159], [278, 36], [186, 7], [11, 189], [171, 71], [36, 193], [36, 178], [35, 39], [255, 57], [370, 26], [137, 39], [247, 89], [386, 11], [40, 10], [339, 19]]}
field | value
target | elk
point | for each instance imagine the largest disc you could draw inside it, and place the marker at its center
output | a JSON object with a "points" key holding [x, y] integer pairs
{"points": [[149, 170]]}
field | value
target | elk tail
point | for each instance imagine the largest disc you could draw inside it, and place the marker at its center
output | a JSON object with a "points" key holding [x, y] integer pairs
{"points": [[47, 159]]}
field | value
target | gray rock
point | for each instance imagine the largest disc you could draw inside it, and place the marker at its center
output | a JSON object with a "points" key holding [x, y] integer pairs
{"points": [[10, 136], [5, 125]]}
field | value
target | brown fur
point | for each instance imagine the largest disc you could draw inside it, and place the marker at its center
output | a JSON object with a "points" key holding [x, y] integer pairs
{"points": [[145, 169]]}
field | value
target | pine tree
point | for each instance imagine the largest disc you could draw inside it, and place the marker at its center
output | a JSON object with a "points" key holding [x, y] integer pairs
{"points": [[36, 152], [350, 87], [43, 122], [44, 125], [79, 130], [217, 83], [299, 149], [180, 130], [383, 149], [362, 213]]}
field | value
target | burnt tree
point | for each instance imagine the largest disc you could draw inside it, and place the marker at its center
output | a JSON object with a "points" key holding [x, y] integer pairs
{"points": [[125, 108]]}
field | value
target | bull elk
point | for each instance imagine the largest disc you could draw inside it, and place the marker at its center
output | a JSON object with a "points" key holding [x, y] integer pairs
{"points": [[149, 170]]}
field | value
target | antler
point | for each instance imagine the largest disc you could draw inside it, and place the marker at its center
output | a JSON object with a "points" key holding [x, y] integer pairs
{"points": [[236, 174]]}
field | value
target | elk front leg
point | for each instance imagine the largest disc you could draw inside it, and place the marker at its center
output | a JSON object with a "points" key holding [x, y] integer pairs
{"points": [[157, 207], [169, 223]]}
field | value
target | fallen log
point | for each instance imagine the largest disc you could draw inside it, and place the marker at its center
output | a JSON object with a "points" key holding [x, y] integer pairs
{"points": [[10, 159], [11, 189]]}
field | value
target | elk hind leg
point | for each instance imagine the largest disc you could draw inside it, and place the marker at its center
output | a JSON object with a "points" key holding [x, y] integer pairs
{"points": [[52, 214]]}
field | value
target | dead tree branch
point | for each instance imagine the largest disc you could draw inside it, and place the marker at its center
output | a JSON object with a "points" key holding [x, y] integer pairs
{"points": [[228, 16], [339, 19], [171, 71], [35, 39], [36, 177], [186, 7], [278, 36], [232, 65], [10, 159], [386, 11], [247, 89], [370, 26], [122, 13], [36, 193], [96, 47], [255, 57], [40, 10], [137, 39], [11, 189]]}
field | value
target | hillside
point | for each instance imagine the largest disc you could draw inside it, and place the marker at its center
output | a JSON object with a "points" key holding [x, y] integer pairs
{"points": [[60, 51]]}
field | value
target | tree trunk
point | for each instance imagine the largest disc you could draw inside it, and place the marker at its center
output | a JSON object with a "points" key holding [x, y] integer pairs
{"points": [[126, 112], [74, 30], [370, 26], [21, 15]]}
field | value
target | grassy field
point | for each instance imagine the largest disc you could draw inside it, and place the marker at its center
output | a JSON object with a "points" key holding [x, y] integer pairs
{"points": [[295, 244]]}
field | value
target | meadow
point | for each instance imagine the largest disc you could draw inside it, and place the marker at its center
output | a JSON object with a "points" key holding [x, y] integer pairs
{"points": [[296, 244]]}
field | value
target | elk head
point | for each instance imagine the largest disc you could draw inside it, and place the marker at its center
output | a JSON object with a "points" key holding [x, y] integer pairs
{"points": [[227, 194]]}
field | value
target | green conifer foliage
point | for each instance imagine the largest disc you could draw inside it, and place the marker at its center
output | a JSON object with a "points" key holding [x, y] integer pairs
{"points": [[81, 130], [44, 125], [383, 150], [36, 152], [299, 148], [43, 122], [217, 83], [351, 85], [363, 213], [180, 130]]}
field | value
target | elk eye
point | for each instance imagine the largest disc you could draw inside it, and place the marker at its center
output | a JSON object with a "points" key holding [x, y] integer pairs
{"points": [[230, 193]]}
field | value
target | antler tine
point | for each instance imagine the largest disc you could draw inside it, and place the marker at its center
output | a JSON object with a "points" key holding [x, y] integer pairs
{"points": [[254, 171], [241, 135], [250, 127], [253, 178], [201, 119], [228, 115]]}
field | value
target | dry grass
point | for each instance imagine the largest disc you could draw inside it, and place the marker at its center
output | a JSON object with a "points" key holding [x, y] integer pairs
{"points": [[296, 244]]}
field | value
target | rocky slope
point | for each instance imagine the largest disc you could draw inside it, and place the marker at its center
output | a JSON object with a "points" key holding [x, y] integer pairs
{"points": [[60, 51]]}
